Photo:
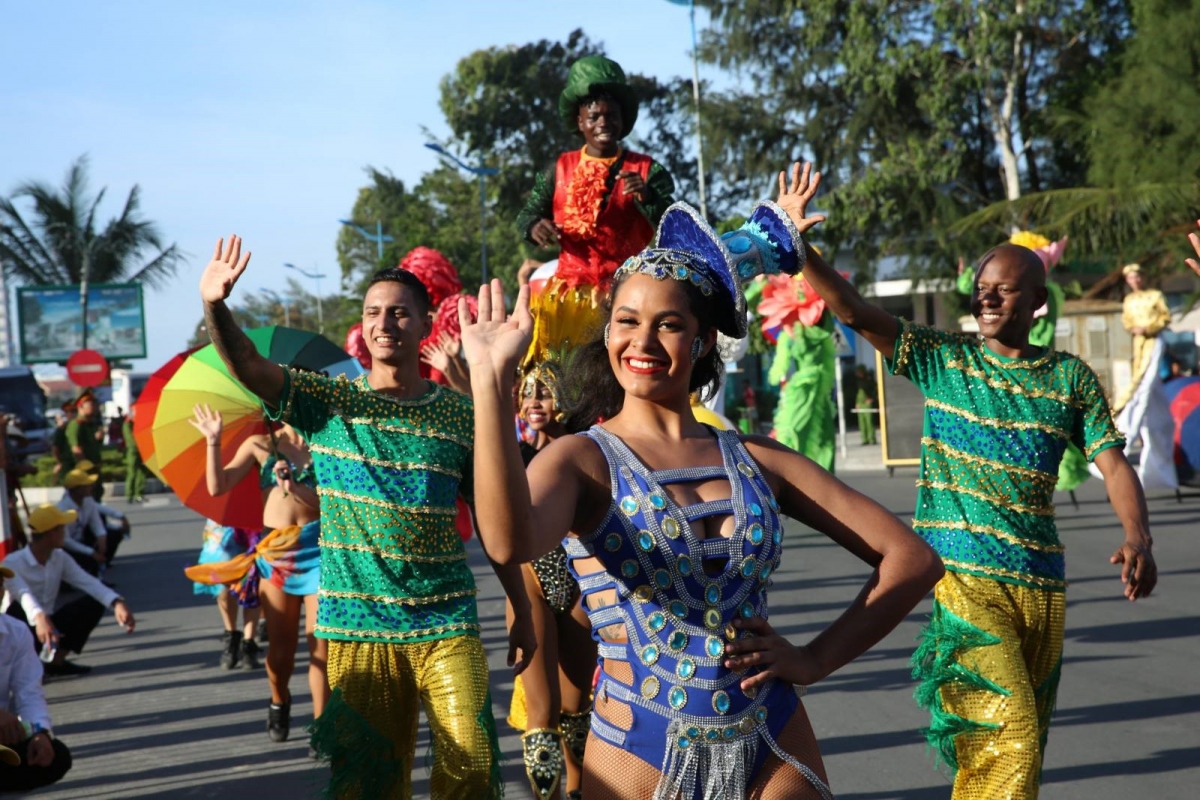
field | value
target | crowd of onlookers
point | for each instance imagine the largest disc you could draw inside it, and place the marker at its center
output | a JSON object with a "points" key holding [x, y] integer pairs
{"points": [[53, 594]]}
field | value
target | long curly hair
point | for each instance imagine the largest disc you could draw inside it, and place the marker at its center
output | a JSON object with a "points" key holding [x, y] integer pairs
{"points": [[592, 389]]}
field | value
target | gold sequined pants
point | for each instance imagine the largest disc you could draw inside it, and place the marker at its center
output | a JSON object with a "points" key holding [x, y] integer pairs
{"points": [[999, 685], [449, 678]]}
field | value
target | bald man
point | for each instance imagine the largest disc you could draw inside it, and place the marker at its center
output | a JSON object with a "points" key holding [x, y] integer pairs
{"points": [[999, 413]]}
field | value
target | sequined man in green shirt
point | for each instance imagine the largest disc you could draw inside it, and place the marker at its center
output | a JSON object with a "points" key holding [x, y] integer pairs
{"points": [[999, 413], [392, 451]]}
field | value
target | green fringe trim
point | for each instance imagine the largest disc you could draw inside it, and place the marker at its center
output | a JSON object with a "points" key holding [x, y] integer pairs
{"points": [[935, 664], [364, 760], [1049, 686], [487, 721]]}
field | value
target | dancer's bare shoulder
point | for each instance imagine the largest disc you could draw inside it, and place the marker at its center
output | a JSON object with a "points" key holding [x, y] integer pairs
{"points": [[573, 469]]}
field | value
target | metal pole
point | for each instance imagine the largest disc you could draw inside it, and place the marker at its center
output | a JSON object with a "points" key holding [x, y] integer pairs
{"points": [[287, 314], [379, 240], [483, 272], [841, 405], [320, 305], [696, 100], [83, 297]]}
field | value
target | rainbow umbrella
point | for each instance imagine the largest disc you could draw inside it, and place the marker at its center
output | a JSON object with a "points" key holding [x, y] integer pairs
{"points": [[176, 452]]}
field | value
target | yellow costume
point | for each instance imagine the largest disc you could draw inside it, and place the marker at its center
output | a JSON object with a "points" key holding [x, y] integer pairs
{"points": [[991, 693], [1145, 310]]}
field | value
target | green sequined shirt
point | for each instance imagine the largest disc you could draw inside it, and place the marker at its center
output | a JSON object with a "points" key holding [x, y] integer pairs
{"points": [[995, 431], [393, 566]]}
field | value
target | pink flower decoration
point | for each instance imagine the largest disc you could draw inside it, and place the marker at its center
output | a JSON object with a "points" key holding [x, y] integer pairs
{"points": [[786, 301]]}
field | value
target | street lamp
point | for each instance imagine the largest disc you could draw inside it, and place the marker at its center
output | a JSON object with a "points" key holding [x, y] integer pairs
{"points": [[691, 4], [377, 237], [283, 301], [481, 172], [316, 276]]}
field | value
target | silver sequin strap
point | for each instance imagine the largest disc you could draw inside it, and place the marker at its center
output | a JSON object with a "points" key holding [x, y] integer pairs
{"points": [[710, 509], [689, 474], [607, 732], [618, 652]]}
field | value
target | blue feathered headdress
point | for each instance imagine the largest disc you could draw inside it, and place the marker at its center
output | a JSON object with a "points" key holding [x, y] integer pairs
{"points": [[688, 249]]}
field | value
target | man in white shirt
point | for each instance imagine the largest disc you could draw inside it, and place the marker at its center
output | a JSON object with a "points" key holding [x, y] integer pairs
{"points": [[89, 539], [30, 756], [42, 568]]}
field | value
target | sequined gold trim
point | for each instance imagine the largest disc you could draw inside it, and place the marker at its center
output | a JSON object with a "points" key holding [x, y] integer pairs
{"points": [[410, 430], [1050, 583], [1012, 388], [285, 410], [363, 548], [1040, 361], [1092, 448], [1047, 511], [938, 446], [458, 627], [430, 396], [379, 462], [988, 530], [998, 423], [401, 601], [906, 347], [432, 511]]}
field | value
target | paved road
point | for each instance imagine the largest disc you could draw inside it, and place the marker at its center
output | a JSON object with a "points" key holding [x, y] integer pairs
{"points": [[158, 719]]}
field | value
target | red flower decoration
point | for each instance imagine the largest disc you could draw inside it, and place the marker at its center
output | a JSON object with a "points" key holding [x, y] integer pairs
{"points": [[356, 345], [786, 301], [435, 271], [582, 207]]}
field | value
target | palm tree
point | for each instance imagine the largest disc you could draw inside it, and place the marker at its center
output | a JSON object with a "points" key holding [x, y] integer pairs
{"points": [[61, 244]]}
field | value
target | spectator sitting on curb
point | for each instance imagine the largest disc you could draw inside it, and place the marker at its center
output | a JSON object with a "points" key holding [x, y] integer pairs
{"points": [[41, 569], [90, 540], [30, 756]]}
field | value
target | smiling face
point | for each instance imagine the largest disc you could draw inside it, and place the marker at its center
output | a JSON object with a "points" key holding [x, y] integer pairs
{"points": [[394, 323], [1010, 286], [538, 407], [651, 330], [601, 125]]}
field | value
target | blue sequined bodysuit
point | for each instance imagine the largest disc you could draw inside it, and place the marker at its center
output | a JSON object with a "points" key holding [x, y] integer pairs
{"points": [[691, 718]]}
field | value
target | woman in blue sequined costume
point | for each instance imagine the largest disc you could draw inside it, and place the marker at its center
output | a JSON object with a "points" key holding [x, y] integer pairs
{"points": [[286, 571], [675, 528]]}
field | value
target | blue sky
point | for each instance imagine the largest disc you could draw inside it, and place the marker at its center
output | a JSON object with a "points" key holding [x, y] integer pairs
{"points": [[259, 118]]}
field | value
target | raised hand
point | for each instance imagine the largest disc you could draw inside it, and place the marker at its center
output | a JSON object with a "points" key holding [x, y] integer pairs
{"points": [[208, 422], [496, 342], [795, 197], [1194, 238], [223, 271], [543, 233]]}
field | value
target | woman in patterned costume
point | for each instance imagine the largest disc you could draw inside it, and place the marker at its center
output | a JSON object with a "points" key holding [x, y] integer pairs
{"points": [[598, 205], [674, 528], [551, 700], [283, 568]]}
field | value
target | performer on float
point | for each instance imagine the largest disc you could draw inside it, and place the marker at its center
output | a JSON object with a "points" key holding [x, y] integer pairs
{"points": [[697, 695], [551, 701], [802, 366], [599, 205], [391, 451], [999, 412]]}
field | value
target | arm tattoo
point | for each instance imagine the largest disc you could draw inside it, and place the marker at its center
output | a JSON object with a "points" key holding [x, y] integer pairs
{"points": [[256, 373]]}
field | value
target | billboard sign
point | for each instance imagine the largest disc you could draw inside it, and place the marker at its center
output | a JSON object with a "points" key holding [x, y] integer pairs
{"points": [[49, 318]]}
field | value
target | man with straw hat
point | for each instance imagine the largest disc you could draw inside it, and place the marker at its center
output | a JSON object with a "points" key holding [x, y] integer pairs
{"points": [[30, 756], [41, 569], [599, 205]]}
